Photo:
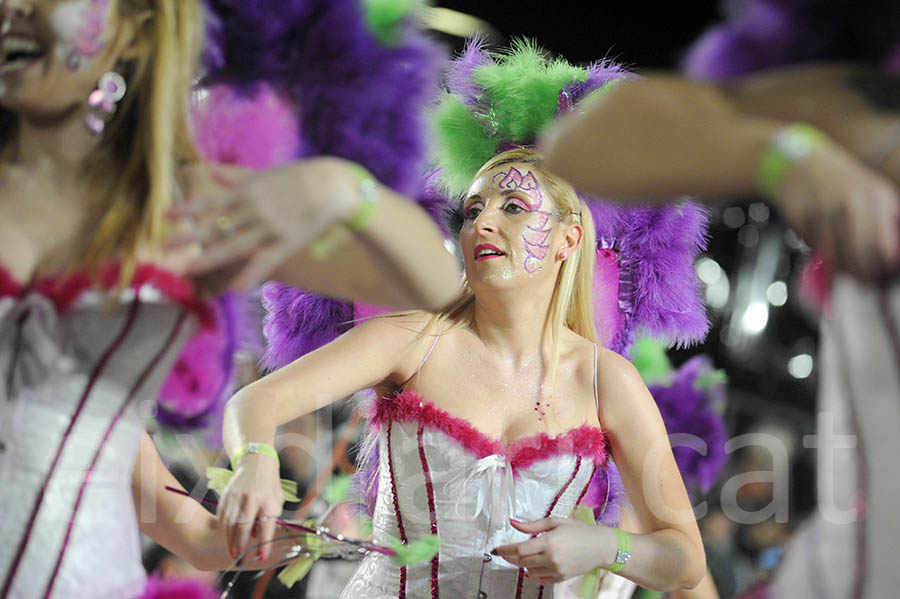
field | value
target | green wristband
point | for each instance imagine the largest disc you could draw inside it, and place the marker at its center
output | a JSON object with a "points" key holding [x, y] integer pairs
{"points": [[361, 218], [789, 146], [251, 448], [322, 246], [623, 555]]}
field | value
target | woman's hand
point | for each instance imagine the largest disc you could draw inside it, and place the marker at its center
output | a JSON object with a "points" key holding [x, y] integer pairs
{"points": [[845, 211], [249, 506], [563, 549], [258, 220]]}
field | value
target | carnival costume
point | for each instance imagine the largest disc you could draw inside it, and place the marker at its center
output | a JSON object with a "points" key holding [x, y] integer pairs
{"points": [[428, 472], [83, 361], [76, 371]]}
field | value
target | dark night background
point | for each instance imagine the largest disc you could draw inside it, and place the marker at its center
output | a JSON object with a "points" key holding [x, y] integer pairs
{"points": [[644, 34]]}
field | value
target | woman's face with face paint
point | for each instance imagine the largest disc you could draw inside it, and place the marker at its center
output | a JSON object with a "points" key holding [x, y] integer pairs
{"points": [[509, 229], [55, 51]]}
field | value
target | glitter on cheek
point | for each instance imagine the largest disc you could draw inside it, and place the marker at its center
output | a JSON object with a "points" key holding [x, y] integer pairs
{"points": [[79, 27]]}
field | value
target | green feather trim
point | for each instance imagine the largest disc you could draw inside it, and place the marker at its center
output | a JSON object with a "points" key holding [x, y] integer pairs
{"points": [[651, 361], [713, 378], [337, 489], [523, 89], [415, 553], [218, 478], [463, 146], [383, 18]]}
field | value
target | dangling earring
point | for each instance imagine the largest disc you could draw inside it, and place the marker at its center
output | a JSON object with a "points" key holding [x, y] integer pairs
{"points": [[103, 101]]}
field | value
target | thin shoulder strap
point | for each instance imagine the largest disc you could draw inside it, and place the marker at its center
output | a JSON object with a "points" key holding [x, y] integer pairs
{"points": [[596, 390], [425, 359]]}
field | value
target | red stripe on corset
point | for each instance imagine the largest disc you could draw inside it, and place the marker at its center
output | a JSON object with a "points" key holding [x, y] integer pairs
{"points": [[95, 375], [167, 345], [432, 512], [401, 594], [549, 511]]}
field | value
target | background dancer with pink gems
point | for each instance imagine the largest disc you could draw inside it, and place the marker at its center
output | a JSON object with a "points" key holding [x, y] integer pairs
{"points": [[434, 465], [94, 307]]}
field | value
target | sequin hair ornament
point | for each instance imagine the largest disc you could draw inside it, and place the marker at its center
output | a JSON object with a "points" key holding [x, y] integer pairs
{"points": [[644, 278]]}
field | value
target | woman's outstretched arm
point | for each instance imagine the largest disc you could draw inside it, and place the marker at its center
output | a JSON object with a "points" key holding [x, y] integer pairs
{"points": [[661, 137], [320, 224], [376, 351]]}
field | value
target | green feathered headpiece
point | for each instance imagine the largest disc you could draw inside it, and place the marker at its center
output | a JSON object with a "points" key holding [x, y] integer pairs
{"points": [[499, 100]]}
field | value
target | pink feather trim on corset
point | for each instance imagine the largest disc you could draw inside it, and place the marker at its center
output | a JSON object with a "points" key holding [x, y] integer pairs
{"points": [[607, 316], [178, 588], [65, 289], [255, 131], [409, 406]]}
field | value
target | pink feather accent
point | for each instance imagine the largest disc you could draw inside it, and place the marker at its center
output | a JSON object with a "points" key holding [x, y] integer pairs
{"points": [[814, 284], [608, 317], [363, 311], [197, 378], [255, 131], [409, 406], [178, 588]]}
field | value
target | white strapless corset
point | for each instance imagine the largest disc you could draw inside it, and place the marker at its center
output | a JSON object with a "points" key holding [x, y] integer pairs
{"points": [[439, 475], [75, 369]]}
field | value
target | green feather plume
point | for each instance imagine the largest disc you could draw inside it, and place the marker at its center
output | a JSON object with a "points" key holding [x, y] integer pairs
{"points": [[383, 18]]}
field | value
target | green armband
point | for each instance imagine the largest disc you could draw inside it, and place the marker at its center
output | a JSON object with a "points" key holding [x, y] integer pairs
{"points": [[248, 448], [789, 146], [368, 186]]}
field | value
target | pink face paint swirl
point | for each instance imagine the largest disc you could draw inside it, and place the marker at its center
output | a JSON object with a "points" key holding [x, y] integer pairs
{"points": [[88, 39], [535, 237]]}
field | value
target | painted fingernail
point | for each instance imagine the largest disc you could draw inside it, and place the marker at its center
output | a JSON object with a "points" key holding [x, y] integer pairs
{"points": [[259, 556], [514, 521], [239, 562], [494, 552]]}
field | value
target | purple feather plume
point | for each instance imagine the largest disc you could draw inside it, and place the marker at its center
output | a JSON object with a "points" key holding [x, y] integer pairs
{"points": [[689, 412], [459, 77], [358, 99], [762, 34], [658, 289], [298, 322], [606, 495]]}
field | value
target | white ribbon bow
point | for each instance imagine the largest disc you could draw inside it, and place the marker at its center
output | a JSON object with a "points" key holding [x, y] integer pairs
{"points": [[30, 327], [493, 477]]}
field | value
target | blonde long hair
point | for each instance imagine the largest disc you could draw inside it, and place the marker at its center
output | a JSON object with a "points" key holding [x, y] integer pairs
{"points": [[150, 135], [572, 303]]}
